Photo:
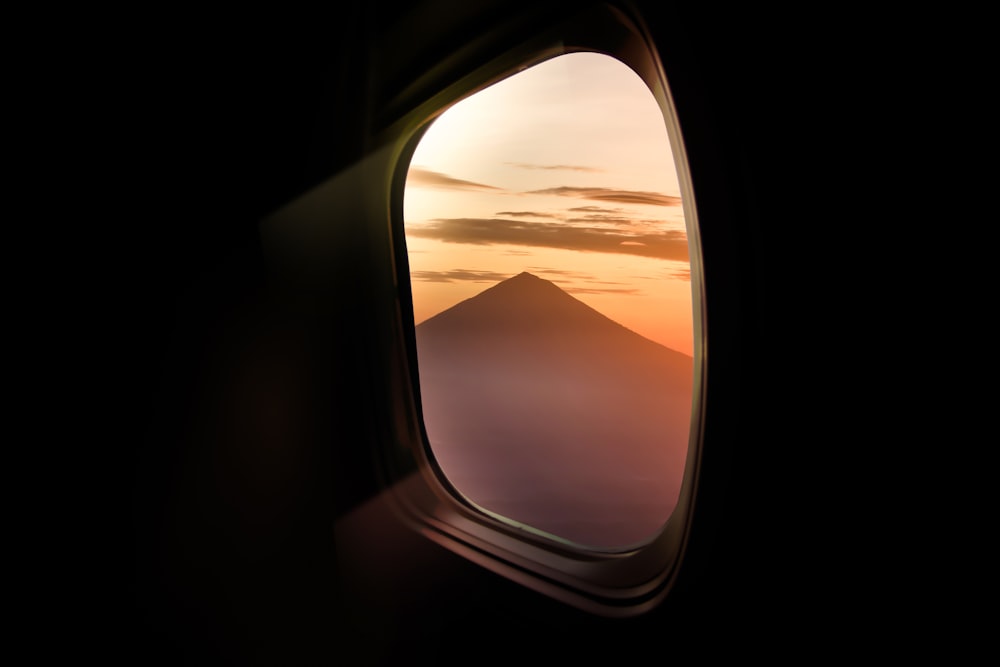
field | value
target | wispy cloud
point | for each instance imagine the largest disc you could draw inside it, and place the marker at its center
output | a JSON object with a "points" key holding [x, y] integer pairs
{"points": [[577, 282], [459, 275], [562, 273], [604, 219], [594, 215], [612, 195], [681, 274], [669, 244], [595, 209], [527, 214], [599, 216], [574, 282], [602, 290], [555, 167], [418, 176]]}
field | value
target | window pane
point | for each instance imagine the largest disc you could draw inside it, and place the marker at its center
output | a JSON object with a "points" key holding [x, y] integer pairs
{"points": [[552, 301]]}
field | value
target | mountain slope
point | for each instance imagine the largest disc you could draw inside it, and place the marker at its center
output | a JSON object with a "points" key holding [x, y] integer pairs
{"points": [[543, 410]]}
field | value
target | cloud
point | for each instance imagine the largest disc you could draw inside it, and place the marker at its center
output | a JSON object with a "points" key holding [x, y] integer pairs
{"points": [[612, 195], [555, 167], [418, 176], [681, 274], [595, 209], [591, 285], [527, 214], [595, 214], [606, 219], [457, 275], [668, 244], [565, 273], [570, 281], [602, 290]]}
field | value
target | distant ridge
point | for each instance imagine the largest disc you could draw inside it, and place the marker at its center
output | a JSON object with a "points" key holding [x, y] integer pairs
{"points": [[532, 400]]}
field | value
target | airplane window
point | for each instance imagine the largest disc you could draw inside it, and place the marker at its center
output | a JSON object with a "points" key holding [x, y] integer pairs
{"points": [[552, 302]]}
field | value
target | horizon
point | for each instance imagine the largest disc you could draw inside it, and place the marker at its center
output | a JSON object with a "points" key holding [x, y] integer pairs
{"points": [[563, 171]]}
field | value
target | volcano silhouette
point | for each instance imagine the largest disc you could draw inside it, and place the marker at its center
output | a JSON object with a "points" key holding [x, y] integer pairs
{"points": [[542, 410]]}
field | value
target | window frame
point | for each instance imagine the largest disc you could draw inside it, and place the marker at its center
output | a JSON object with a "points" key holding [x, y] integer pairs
{"points": [[609, 583]]}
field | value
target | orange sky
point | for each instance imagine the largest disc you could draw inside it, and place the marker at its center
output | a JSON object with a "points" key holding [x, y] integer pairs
{"points": [[563, 170]]}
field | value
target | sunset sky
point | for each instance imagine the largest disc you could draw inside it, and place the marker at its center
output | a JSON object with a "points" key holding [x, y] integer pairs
{"points": [[563, 170]]}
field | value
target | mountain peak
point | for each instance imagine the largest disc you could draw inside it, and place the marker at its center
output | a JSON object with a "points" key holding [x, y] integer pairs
{"points": [[523, 299], [526, 305], [529, 288], [526, 279]]}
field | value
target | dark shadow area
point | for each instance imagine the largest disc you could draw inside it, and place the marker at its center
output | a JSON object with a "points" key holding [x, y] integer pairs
{"points": [[208, 485]]}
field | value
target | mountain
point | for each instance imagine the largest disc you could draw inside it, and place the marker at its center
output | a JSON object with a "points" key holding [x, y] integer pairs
{"points": [[541, 409]]}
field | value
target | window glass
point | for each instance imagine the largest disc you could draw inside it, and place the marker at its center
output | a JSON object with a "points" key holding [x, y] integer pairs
{"points": [[551, 294]]}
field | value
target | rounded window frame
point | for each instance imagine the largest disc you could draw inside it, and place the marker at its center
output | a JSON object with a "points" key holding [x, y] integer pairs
{"points": [[609, 583]]}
